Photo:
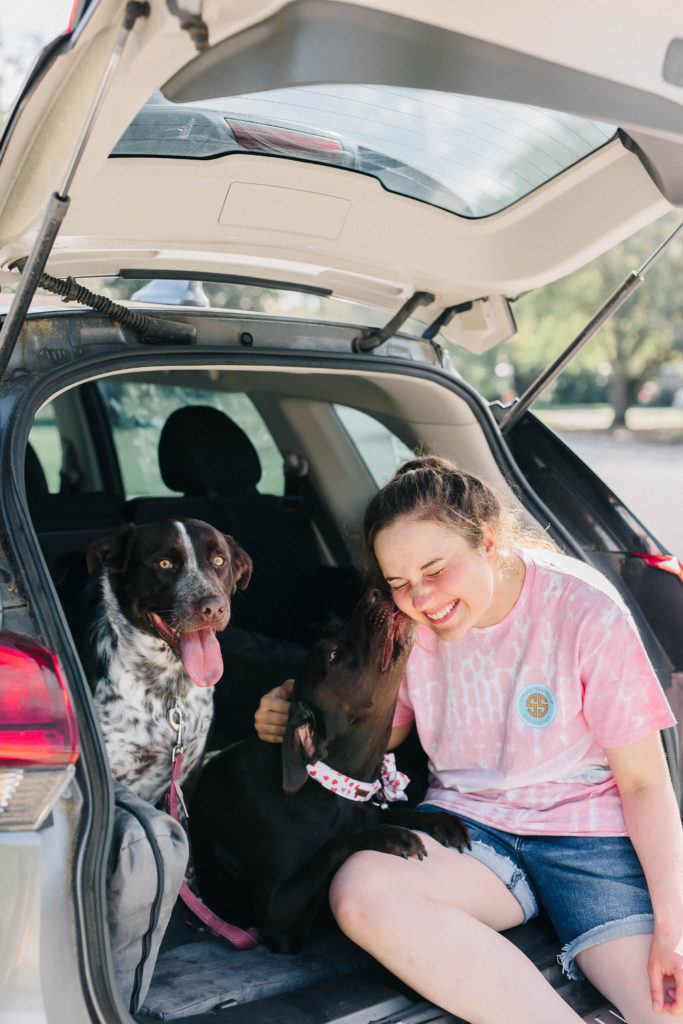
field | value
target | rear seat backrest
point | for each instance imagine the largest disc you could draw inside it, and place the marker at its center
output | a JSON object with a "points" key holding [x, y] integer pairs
{"points": [[65, 524]]}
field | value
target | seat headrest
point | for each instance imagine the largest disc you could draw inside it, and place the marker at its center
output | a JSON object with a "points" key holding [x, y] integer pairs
{"points": [[200, 447], [34, 475]]}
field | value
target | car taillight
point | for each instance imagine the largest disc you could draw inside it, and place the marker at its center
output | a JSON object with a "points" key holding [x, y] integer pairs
{"points": [[272, 139], [39, 742], [669, 563]]}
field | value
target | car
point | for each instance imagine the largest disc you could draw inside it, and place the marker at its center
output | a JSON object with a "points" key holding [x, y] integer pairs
{"points": [[293, 213]]}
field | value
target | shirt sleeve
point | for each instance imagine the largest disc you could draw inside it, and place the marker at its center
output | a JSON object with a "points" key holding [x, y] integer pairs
{"points": [[403, 712], [622, 701]]}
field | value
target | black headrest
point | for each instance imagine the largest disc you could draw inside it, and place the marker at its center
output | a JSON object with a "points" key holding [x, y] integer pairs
{"points": [[34, 475], [200, 447]]}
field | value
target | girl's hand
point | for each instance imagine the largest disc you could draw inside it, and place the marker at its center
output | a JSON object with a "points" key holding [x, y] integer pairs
{"points": [[665, 970], [271, 715]]}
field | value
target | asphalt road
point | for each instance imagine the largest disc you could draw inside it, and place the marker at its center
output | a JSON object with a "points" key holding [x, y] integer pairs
{"points": [[646, 475]]}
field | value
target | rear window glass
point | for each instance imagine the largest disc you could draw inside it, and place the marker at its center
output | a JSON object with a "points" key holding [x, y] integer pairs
{"points": [[468, 155]]}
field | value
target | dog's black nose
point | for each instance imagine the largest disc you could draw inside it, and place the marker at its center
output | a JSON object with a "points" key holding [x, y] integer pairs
{"points": [[211, 608]]}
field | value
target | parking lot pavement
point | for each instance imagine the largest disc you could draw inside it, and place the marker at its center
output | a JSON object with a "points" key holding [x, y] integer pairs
{"points": [[646, 474]]}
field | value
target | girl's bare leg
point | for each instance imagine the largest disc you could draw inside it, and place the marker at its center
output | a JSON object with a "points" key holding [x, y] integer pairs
{"points": [[435, 925], [618, 969]]}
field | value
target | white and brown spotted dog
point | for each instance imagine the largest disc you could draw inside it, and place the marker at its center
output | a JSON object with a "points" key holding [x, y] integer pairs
{"points": [[166, 591]]}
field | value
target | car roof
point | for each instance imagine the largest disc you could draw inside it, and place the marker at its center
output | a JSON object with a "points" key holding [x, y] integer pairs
{"points": [[614, 79]]}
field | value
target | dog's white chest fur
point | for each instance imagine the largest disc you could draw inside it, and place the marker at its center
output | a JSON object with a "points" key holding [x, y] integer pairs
{"points": [[140, 677]]}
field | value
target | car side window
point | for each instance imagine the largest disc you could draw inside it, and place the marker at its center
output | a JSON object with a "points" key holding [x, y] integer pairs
{"points": [[137, 412], [380, 449], [46, 442]]}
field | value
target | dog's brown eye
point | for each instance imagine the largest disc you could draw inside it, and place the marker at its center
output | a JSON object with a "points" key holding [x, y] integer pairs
{"points": [[218, 561], [333, 654], [165, 563]]}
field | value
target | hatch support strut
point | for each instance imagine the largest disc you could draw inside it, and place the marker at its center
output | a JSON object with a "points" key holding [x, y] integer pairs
{"points": [[616, 299], [373, 337], [58, 204]]}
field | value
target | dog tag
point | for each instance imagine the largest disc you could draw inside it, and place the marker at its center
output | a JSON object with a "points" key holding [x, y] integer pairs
{"points": [[177, 723]]}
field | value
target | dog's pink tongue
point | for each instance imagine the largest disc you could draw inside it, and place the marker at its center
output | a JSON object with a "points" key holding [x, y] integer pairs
{"points": [[201, 656]]}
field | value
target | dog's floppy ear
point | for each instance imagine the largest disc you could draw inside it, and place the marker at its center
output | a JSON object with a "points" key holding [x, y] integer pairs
{"points": [[242, 563], [112, 550], [302, 744]]}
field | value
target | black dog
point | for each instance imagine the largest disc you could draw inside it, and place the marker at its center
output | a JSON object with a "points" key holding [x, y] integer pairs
{"points": [[166, 590], [267, 838]]}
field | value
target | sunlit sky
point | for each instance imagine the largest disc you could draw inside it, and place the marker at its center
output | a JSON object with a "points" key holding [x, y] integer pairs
{"points": [[25, 27]]}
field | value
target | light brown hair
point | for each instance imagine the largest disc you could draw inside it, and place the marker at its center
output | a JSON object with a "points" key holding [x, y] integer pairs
{"points": [[431, 488]]}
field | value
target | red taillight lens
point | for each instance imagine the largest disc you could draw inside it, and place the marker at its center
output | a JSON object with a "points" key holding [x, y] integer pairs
{"points": [[669, 563], [37, 723], [272, 139], [72, 17]]}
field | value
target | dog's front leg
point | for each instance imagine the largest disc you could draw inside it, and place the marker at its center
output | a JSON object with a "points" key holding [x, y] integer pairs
{"points": [[448, 829]]}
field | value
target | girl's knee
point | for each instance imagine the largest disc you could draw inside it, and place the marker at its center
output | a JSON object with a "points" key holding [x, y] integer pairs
{"points": [[359, 889]]}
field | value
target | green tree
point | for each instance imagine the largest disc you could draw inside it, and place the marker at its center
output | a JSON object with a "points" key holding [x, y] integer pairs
{"points": [[626, 352]]}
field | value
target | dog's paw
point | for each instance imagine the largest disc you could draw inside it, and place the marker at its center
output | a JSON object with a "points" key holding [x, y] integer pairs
{"points": [[397, 840], [447, 829]]}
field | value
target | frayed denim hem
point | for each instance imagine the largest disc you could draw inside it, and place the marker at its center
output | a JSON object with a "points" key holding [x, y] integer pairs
{"points": [[636, 924], [512, 877]]}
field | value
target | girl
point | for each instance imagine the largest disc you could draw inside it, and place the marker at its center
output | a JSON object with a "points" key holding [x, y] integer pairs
{"points": [[540, 715]]}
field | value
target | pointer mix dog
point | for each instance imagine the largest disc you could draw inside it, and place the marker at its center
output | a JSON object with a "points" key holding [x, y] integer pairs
{"points": [[267, 837], [166, 590]]}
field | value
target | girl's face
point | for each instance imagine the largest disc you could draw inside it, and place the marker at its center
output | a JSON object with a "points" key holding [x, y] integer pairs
{"points": [[439, 579]]}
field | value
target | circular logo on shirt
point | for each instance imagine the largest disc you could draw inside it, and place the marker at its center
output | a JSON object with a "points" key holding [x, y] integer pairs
{"points": [[536, 706]]}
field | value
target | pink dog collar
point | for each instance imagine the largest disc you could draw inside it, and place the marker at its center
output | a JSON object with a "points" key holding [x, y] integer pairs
{"points": [[391, 782]]}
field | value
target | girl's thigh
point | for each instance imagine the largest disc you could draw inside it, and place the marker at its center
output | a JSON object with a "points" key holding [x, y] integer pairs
{"points": [[369, 882]]}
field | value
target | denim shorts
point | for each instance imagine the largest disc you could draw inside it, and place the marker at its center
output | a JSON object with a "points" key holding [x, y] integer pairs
{"points": [[591, 887]]}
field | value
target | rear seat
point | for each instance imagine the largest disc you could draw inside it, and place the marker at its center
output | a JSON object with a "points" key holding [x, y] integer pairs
{"points": [[65, 524], [214, 468]]}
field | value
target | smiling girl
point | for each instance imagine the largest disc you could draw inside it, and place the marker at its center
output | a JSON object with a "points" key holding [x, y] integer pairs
{"points": [[539, 712]]}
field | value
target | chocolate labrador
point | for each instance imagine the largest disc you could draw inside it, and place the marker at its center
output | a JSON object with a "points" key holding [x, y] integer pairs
{"points": [[270, 826]]}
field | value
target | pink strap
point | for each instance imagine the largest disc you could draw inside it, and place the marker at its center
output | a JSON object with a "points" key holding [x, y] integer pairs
{"points": [[239, 938]]}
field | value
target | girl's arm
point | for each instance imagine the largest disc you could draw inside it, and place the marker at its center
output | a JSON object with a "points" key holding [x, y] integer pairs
{"points": [[654, 826], [398, 734], [270, 718]]}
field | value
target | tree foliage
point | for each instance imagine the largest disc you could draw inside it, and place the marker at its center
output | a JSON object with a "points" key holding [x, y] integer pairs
{"points": [[628, 350]]}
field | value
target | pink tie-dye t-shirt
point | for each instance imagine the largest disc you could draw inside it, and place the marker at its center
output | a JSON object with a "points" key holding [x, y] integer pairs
{"points": [[515, 717]]}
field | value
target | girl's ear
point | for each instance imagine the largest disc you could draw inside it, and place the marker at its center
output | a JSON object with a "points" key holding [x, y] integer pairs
{"points": [[489, 542]]}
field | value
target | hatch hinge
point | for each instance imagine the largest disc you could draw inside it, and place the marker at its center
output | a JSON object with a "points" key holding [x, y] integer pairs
{"points": [[189, 14], [444, 318], [373, 337]]}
